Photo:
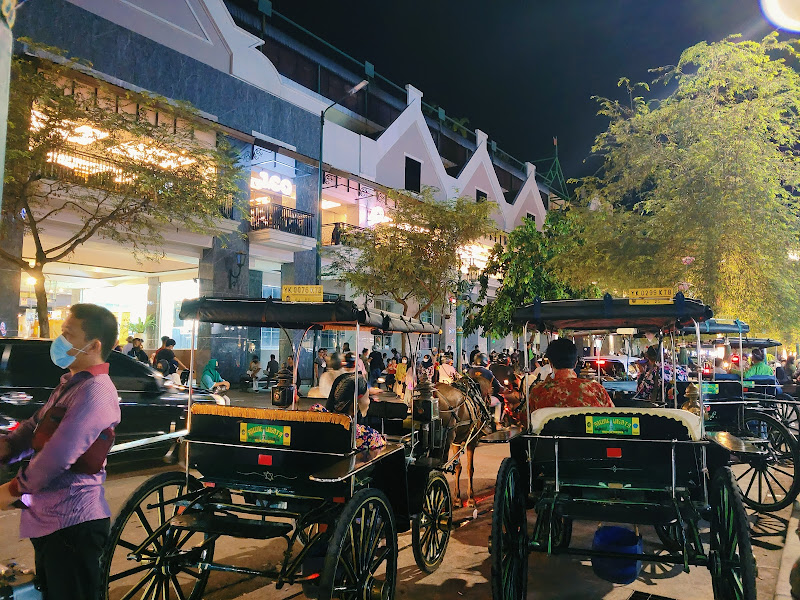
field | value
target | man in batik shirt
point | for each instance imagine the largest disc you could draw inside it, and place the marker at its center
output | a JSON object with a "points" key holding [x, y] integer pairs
{"points": [[565, 388]]}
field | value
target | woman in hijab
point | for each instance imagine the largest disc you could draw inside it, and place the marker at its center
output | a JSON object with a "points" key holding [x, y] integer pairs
{"points": [[211, 380], [340, 401], [427, 366]]}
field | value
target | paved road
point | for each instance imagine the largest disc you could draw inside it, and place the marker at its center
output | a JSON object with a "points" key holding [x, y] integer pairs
{"points": [[465, 573]]}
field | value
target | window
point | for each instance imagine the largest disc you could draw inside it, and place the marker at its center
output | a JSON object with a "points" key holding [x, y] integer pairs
{"points": [[413, 175], [385, 305], [480, 195]]}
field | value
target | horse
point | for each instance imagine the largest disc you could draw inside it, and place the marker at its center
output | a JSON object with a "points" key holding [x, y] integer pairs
{"points": [[463, 408]]}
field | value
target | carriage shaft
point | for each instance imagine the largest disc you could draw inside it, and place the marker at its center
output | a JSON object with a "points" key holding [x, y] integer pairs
{"points": [[675, 559]]}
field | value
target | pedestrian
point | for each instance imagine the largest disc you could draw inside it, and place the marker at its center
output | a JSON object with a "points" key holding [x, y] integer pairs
{"points": [[254, 369], [211, 379], [66, 516], [449, 352], [395, 355], [473, 354], [345, 347], [137, 351], [320, 364], [272, 367], [166, 361], [128, 345], [400, 377], [376, 366], [790, 368], [164, 339], [334, 369]]}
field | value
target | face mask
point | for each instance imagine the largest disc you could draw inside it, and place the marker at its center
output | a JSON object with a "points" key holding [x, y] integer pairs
{"points": [[59, 349]]}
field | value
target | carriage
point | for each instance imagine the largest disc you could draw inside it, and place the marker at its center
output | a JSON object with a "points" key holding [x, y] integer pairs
{"points": [[269, 473], [646, 466]]}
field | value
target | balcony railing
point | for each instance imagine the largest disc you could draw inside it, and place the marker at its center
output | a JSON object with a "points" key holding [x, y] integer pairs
{"points": [[92, 171], [335, 234], [281, 218]]}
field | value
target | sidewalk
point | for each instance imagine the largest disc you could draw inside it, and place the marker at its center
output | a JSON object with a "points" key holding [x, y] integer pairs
{"points": [[791, 553]]}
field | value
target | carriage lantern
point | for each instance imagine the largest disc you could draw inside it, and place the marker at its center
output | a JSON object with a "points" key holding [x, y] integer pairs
{"points": [[283, 392], [426, 411]]}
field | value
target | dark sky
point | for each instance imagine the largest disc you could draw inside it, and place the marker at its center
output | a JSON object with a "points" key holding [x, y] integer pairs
{"points": [[524, 70]]}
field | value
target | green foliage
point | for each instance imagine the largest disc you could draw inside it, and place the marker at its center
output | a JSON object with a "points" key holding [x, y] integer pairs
{"points": [[414, 258], [524, 271], [149, 324], [699, 189], [132, 178]]}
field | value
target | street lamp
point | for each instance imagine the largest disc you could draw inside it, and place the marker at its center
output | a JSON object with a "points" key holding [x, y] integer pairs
{"points": [[464, 289], [353, 90]]}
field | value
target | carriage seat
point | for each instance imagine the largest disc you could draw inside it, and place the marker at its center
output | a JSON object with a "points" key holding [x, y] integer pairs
{"points": [[653, 423], [302, 430]]}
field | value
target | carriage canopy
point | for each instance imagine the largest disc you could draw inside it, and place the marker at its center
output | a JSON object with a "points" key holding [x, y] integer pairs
{"points": [[266, 312], [713, 326], [609, 313]]}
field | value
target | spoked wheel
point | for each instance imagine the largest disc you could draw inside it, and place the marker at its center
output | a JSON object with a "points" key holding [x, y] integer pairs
{"points": [[559, 529], [509, 541], [769, 481], [430, 529], [671, 535], [789, 415], [362, 554], [731, 562], [166, 567]]}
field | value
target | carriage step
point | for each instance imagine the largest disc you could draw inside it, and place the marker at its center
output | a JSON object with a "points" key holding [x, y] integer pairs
{"points": [[232, 526]]}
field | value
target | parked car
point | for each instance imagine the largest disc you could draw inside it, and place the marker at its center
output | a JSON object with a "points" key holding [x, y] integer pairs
{"points": [[150, 405], [612, 367]]}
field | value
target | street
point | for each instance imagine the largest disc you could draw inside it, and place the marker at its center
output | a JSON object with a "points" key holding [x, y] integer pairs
{"points": [[466, 568]]}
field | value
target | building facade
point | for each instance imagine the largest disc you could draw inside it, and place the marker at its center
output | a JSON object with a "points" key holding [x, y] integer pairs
{"points": [[266, 81]]}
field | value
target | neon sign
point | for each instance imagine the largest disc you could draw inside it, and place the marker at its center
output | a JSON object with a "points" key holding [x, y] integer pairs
{"points": [[273, 183]]}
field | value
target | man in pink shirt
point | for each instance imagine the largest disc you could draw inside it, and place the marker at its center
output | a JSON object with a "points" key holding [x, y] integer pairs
{"points": [[65, 513]]}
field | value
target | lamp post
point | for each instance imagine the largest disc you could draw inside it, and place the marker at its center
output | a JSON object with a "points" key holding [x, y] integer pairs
{"points": [[463, 291], [354, 90]]}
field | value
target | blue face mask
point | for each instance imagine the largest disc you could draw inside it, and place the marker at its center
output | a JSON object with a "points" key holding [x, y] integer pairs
{"points": [[59, 349]]}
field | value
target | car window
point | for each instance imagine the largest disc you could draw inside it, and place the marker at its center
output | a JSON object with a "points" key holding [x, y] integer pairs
{"points": [[128, 374], [29, 365]]}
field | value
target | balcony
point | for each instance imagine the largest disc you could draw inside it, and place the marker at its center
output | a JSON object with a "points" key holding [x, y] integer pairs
{"points": [[335, 234], [95, 172], [282, 228]]}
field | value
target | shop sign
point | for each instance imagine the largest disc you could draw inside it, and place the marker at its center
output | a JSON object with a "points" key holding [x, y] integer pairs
{"points": [[272, 183], [711, 388], [301, 293], [615, 425]]}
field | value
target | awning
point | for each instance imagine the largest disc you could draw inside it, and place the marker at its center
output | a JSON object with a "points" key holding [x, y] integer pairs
{"points": [[611, 313], [266, 312]]}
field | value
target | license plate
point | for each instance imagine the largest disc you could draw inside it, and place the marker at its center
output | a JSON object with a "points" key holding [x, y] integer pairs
{"points": [[258, 433], [615, 425]]}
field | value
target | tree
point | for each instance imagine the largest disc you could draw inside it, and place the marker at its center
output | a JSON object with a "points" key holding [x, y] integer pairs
{"points": [[524, 271], [699, 190], [120, 165], [413, 258]]}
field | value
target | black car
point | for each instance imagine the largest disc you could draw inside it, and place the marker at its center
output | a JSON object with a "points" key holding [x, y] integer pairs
{"points": [[150, 405]]}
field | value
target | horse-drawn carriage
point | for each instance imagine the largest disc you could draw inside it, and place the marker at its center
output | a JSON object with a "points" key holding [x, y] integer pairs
{"points": [[267, 473], [646, 466]]}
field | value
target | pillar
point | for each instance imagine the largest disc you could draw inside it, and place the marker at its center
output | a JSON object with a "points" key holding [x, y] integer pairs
{"points": [[224, 272], [11, 276], [153, 314]]}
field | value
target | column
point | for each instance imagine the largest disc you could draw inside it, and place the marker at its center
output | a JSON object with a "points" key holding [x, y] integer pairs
{"points": [[152, 338], [11, 276]]}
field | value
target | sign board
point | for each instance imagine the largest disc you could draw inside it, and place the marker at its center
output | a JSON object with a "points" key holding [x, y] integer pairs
{"points": [[650, 295], [711, 388], [600, 425], [301, 293], [257, 433]]}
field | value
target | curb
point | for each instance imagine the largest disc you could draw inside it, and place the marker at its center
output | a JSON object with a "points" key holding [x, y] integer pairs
{"points": [[791, 553]]}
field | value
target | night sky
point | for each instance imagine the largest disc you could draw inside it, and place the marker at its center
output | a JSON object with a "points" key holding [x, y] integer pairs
{"points": [[524, 70]]}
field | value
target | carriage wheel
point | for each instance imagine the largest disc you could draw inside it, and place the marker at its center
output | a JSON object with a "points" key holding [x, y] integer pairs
{"points": [[362, 553], [509, 541], [671, 535], [789, 416], [561, 532], [164, 569], [769, 481], [731, 562], [430, 529]]}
